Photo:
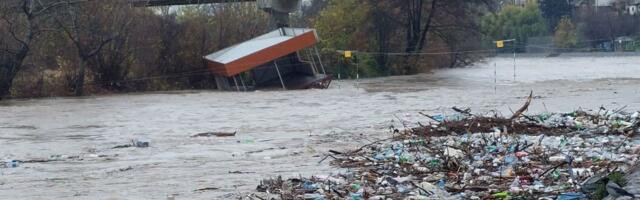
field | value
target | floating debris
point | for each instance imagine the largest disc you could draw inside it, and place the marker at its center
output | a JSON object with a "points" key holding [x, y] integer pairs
{"points": [[240, 172], [120, 170], [123, 146], [11, 163], [471, 156], [216, 134], [206, 189], [141, 143]]}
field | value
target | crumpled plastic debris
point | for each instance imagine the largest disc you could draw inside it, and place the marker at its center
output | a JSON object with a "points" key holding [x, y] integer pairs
{"points": [[545, 156], [9, 163]]}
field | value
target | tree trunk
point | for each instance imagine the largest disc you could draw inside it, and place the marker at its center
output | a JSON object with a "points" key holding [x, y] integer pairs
{"points": [[423, 35], [9, 70], [6, 79], [79, 83], [383, 31]]}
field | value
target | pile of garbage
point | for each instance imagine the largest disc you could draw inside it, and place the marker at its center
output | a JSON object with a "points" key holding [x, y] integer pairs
{"points": [[468, 156], [602, 122]]}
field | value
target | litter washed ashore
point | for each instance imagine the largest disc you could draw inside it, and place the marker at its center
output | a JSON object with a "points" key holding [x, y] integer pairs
{"points": [[481, 156]]}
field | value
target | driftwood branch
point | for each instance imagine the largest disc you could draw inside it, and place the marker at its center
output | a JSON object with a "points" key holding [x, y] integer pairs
{"points": [[428, 116], [523, 108], [465, 111]]}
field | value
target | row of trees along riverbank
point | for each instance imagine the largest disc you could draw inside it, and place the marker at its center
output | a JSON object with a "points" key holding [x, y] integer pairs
{"points": [[79, 47]]}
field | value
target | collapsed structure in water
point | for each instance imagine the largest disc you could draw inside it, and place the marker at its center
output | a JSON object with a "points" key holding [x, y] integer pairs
{"points": [[285, 57]]}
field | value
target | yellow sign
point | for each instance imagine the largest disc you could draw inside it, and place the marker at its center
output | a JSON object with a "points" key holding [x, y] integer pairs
{"points": [[347, 54], [500, 43]]}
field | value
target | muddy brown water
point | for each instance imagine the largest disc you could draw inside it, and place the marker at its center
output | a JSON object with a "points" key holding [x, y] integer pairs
{"points": [[279, 132]]}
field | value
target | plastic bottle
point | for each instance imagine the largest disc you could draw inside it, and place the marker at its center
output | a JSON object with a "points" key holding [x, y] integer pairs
{"points": [[538, 185], [555, 174], [307, 185], [510, 160], [379, 156], [491, 148], [403, 189], [434, 163], [439, 118], [572, 196], [442, 183], [515, 185], [355, 186], [12, 163]]}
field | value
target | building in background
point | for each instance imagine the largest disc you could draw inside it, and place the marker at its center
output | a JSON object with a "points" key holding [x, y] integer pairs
{"points": [[633, 7]]}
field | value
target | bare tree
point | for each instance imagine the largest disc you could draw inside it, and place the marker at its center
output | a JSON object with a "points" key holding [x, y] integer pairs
{"points": [[417, 26], [607, 24], [21, 22], [90, 28], [384, 27], [453, 23]]}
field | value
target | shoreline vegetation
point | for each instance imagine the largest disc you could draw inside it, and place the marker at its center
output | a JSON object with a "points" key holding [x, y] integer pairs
{"points": [[68, 48]]}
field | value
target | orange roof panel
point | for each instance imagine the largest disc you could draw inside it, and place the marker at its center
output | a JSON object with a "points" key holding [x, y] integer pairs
{"points": [[253, 53]]}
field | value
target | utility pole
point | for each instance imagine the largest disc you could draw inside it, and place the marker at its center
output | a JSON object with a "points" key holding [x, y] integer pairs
{"points": [[349, 55], [500, 44], [514, 60], [357, 67]]}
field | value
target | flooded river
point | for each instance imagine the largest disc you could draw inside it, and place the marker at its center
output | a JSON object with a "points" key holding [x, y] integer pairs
{"points": [[278, 132]]}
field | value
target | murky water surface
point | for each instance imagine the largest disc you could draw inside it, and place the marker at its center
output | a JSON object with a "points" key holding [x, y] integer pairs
{"points": [[279, 133]]}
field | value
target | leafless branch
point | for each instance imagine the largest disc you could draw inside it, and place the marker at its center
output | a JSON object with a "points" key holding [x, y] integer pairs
{"points": [[101, 45], [523, 108], [13, 33], [46, 8]]}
